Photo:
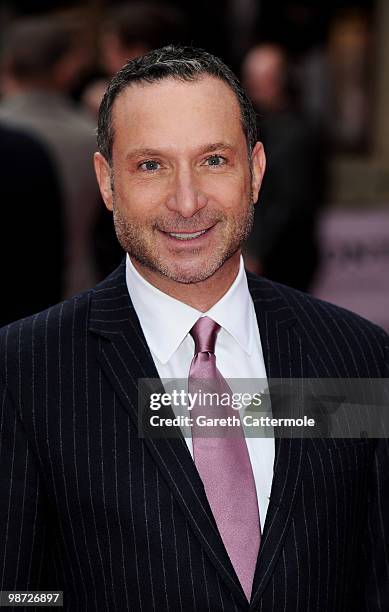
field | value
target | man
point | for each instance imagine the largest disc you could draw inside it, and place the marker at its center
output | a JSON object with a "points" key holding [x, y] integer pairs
{"points": [[283, 243], [124, 522], [42, 58]]}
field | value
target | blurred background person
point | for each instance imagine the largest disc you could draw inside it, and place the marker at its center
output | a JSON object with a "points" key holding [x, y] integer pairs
{"points": [[283, 244], [129, 30], [349, 54], [31, 245], [42, 59]]}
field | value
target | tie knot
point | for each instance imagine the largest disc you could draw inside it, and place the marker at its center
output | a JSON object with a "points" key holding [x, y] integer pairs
{"points": [[204, 333]]}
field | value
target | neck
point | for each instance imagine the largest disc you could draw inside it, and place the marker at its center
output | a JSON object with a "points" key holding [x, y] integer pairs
{"points": [[202, 295]]}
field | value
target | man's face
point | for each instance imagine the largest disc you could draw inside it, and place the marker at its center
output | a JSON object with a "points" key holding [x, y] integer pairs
{"points": [[180, 187]]}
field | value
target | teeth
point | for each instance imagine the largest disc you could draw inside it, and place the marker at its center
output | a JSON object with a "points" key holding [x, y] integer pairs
{"points": [[187, 236]]}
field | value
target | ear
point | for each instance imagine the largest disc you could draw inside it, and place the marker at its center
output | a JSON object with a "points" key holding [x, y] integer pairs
{"points": [[258, 165], [103, 175]]}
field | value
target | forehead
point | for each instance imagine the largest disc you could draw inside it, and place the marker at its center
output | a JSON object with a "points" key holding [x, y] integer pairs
{"points": [[174, 112]]}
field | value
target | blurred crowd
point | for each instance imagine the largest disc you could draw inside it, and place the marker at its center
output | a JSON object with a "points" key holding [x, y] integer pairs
{"points": [[57, 237]]}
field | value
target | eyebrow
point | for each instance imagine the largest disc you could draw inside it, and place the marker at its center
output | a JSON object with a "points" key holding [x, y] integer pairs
{"points": [[208, 148], [215, 146]]}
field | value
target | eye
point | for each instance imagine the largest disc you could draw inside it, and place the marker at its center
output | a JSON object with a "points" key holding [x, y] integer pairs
{"points": [[149, 165], [215, 160]]}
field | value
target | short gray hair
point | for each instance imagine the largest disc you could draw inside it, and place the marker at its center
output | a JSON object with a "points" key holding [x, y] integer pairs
{"points": [[177, 62]]}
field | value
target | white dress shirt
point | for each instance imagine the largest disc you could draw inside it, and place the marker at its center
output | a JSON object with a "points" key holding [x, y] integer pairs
{"points": [[166, 323]]}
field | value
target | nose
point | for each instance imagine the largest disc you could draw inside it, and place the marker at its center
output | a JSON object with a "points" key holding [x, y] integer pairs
{"points": [[185, 197]]}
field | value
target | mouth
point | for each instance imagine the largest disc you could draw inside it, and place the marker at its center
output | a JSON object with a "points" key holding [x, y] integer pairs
{"points": [[187, 236]]}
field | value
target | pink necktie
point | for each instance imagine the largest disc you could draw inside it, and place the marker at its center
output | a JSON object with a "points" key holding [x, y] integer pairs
{"points": [[223, 462]]}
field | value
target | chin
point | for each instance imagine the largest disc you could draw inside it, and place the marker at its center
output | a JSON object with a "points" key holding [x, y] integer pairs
{"points": [[192, 272], [187, 276]]}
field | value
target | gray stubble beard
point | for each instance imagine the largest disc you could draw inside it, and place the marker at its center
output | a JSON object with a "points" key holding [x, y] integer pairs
{"points": [[129, 237]]}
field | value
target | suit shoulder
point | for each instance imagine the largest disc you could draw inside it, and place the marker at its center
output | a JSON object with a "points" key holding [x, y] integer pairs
{"points": [[331, 313], [320, 317], [18, 337]]}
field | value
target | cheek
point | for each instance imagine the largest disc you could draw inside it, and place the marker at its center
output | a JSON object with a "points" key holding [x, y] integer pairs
{"points": [[138, 195], [226, 183], [232, 195]]}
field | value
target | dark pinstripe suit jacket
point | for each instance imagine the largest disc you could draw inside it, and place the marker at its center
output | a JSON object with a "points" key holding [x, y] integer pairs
{"points": [[122, 523]]}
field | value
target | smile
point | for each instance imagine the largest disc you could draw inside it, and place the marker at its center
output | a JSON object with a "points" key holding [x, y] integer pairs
{"points": [[187, 236]]}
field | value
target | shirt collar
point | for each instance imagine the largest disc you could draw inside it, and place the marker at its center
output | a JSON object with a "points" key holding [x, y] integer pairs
{"points": [[166, 321]]}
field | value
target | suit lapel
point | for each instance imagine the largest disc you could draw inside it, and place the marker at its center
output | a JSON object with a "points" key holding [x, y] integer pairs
{"points": [[125, 358], [284, 358]]}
